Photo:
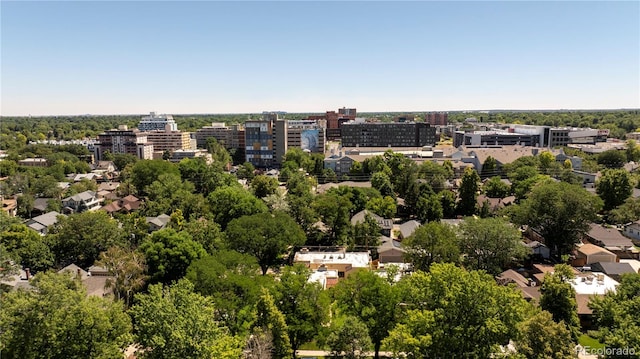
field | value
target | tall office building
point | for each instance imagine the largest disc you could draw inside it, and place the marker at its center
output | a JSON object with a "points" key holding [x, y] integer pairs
{"points": [[307, 135], [168, 140], [258, 135], [395, 134], [124, 140], [155, 122], [437, 118]]}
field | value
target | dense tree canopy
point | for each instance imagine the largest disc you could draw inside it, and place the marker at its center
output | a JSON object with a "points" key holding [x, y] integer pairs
{"points": [[228, 203], [560, 212], [265, 236], [175, 322], [432, 242], [58, 320], [169, 253], [614, 187], [452, 313]]}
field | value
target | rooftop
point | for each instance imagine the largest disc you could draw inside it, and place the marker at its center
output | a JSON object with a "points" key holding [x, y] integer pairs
{"points": [[593, 283], [356, 259]]}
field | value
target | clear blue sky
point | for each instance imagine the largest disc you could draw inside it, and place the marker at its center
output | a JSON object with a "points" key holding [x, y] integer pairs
{"points": [[239, 57]]}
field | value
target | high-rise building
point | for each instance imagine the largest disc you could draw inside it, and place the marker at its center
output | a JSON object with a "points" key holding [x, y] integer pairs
{"points": [[307, 135], [335, 120], [258, 136], [124, 140], [379, 134], [155, 122], [167, 140], [437, 118]]}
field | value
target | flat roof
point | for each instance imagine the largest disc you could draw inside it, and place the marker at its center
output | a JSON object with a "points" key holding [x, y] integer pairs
{"points": [[588, 283], [356, 259]]}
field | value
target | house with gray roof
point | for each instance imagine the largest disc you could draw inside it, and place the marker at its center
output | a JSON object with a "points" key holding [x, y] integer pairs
{"points": [[407, 228], [158, 223], [42, 222], [84, 201], [385, 224], [390, 251]]}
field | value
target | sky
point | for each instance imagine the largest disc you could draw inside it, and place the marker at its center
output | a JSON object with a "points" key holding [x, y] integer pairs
{"points": [[127, 57]]}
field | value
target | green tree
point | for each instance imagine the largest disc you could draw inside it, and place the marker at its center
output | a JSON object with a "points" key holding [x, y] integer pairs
{"points": [[335, 212], [271, 320], [367, 232], [614, 187], [205, 232], [490, 244], [262, 186], [489, 167], [616, 315], [232, 281], [27, 246], [468, 192], [265, 236], [429, 208], [8, 266], [496, 188], [453, 313], [632, 151], [448, 201], [221, 157], [145, 172], [629, 211], [540, 338], [25, 204], [126, 270], [246, 171], [304, 304], [169, 253], [382, 182], [559, 298], [372, 300], [382, 206], [560, 212], [58, 320], [176, 322], [121, 160], [612, 159], [433, 242], [81, 237], [228, 203], [349, 339]]}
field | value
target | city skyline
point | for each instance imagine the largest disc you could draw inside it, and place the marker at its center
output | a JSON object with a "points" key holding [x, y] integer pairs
{"points": [[74, 58]]}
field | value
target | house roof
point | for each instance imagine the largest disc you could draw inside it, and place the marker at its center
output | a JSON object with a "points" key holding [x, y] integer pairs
{"points": [[591, 249], [511, 276], [634, 263], [327, 186], [388, 244], [82, 196], [159, 221], [609, 237], [108, 186], [382, 222], [130, 198], [47, 219], [530, 292], [534, 244], [612, 268], [582, 300], [111, 207], [40, 204], [74, 270], [408, 227]]}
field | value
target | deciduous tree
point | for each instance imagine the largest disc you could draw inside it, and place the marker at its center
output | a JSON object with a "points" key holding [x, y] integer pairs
{"points": [[468, 192], [265, 236], [561, 212], [58, 320], [176, 322], [169, 253], [614, 187], [433, 242]]}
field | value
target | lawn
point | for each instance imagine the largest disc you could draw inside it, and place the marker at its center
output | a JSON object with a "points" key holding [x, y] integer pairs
{"points": [[587, 341]]}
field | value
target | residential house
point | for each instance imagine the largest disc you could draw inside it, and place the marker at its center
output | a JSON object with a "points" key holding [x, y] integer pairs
{"points": [[539, 249], [43, 222], [84, 201], [613, 240], [632, 230], [10, 206], [406, 229], [94, 284], [341, 261], [613, 270], [590, 253], [130, 203], [528, 288], [390, 251], [385, 224], [494, 204], [587, 286], [40, 205], [158, 223]]}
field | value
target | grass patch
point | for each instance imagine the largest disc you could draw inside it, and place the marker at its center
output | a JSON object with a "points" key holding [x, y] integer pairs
{"points": [[587, 341]]}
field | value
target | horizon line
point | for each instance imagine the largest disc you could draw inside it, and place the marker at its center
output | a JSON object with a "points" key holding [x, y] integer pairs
{"points": [[314, 112]]}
